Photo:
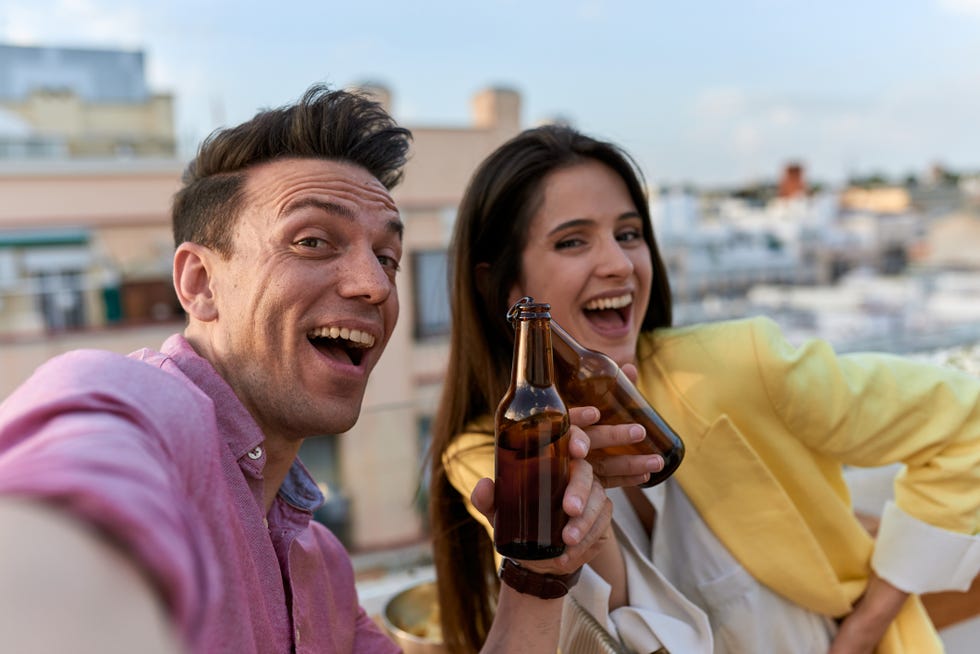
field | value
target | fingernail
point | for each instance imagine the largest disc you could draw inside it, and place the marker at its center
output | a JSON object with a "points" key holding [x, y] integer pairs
{"points": [[576, 504], [655, 461], [593, 414], [637, 433], [574, 535]]}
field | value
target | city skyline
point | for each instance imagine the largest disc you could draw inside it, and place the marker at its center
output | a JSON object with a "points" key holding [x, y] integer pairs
{"points": [[711, 93]]}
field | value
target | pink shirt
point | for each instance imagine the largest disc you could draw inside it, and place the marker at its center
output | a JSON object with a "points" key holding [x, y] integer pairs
{"points": [[156, 449]]}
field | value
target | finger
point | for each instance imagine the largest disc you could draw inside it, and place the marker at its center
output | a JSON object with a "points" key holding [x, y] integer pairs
{"points": [[603, 436], [583, 536], [595, 528], [583, 533], [630, 371], [583, 416], [579, 443], [482, 498], [626, 469], [579, 487]]}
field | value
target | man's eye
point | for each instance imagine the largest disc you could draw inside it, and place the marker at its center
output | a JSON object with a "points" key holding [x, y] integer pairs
{"points": [[388, 262], [310, 242]]}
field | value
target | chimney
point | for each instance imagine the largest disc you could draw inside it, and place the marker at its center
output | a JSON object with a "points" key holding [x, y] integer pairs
{"points": [[497, 108], [792, 184]]}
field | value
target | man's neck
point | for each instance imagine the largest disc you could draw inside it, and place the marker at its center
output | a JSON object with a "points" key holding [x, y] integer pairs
{"points": [[280, 454]]}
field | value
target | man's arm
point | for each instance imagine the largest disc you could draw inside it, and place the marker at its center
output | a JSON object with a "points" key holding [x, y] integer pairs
{"points": [[523, 622], [64, 587]]}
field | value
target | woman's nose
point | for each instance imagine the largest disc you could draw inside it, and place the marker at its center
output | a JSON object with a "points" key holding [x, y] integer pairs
{"points": [[614, 261]]}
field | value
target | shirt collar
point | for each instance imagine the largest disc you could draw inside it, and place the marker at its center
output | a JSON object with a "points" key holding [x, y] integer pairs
{"points": [[237, 426]]}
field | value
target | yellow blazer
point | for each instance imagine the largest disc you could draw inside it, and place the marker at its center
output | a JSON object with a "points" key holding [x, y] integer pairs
{"points": [[767, 427]]}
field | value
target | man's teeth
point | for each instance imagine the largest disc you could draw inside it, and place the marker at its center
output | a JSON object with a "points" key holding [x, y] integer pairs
{"points": [[610, 302], [355, 336]]}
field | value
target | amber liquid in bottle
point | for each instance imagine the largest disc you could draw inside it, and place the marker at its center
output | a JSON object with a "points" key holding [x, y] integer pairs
{"points": [[531, 452], [589, 378]]}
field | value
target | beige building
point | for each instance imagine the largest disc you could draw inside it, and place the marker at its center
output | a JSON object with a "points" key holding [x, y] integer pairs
{"points": [[85, 251], [81, 103]]}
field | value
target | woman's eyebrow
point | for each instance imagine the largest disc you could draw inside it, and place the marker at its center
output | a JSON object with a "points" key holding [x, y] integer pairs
{"points": [[585, 222], [568, 224]]}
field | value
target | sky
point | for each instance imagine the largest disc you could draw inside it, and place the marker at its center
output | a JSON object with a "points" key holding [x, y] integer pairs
{"points": [[709, 92]]}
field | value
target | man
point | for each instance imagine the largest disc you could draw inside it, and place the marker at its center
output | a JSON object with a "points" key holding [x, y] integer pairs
{"points": [[155, 502]]}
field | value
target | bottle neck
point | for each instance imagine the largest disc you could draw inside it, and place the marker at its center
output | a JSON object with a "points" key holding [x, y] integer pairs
{"points": [[533, 362]]}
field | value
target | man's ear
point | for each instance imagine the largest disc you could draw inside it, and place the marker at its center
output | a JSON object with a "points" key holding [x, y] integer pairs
{"points": [[192, 280]]}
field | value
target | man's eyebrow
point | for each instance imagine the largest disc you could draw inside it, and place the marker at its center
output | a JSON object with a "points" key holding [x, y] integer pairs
{"points": [[323, 205], [396, 227]]}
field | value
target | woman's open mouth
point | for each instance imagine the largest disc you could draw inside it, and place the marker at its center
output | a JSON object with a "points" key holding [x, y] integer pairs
{"points": [[341, 344], [609, 312]]}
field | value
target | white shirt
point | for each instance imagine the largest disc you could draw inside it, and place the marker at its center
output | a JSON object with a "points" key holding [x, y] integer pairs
{"points": [[688, 594]]}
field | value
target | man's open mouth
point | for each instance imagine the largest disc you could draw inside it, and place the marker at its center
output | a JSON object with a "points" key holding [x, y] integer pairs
{"points": [[340, 343]]}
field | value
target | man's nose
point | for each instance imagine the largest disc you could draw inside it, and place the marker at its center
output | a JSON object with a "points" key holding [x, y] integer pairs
{"points": [[363, 276]]}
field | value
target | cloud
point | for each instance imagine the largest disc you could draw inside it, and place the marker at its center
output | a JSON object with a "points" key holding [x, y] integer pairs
{"points": [[76, 22], [741, 134], [968, 7], [590, 10]]}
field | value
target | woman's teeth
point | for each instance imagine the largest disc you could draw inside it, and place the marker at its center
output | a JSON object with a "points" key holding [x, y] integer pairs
{"points": [[354, 336], [610, 302]]}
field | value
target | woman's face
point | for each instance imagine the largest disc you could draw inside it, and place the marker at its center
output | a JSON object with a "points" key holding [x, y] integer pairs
{"points": [[586, 256]]}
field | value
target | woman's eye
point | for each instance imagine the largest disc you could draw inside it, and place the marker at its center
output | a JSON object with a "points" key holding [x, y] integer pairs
{"points": [[566, 243], [629, 235]]}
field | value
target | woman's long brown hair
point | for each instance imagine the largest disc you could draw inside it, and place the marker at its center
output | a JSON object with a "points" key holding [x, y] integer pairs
{"points": [[490, 234]]}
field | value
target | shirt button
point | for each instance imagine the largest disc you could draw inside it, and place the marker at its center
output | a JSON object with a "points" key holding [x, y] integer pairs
{"points": [[256, 453]]}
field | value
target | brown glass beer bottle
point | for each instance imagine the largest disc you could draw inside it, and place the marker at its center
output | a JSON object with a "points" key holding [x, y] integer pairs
{"points": [[589, 378], [531, 453]]}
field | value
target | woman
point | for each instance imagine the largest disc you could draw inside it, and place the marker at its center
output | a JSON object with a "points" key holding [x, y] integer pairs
{"points": [[753, 538]]}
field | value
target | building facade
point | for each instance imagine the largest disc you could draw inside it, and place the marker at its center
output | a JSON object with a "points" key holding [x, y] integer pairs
{"points": [[79, 102]]}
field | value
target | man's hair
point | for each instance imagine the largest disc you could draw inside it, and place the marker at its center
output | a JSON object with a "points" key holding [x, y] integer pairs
{"points": [[324, 124]]}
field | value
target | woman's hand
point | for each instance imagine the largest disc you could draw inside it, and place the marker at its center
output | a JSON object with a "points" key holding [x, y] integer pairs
{"points": [[862, 630], [616, 470], [585, 502]]}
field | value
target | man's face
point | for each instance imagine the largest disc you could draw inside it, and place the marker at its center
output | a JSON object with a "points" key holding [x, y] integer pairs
{"points": [[307, 300]]}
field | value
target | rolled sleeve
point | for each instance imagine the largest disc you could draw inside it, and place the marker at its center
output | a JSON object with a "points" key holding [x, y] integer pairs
{"points": [[917, 557]]}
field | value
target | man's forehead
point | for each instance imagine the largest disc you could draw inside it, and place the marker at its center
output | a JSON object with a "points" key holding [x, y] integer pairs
{"points": [[287, 181]]}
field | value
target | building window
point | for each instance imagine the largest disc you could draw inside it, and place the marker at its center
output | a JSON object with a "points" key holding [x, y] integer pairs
{"points": [[431, 293], [61, 299], [321, 456]]}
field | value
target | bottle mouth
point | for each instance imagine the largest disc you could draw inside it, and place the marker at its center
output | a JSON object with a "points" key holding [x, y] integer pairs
{"points": [[526, 307]]}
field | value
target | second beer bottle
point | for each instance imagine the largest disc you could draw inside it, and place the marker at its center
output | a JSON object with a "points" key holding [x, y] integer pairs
{"points": [[531, 453]]}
